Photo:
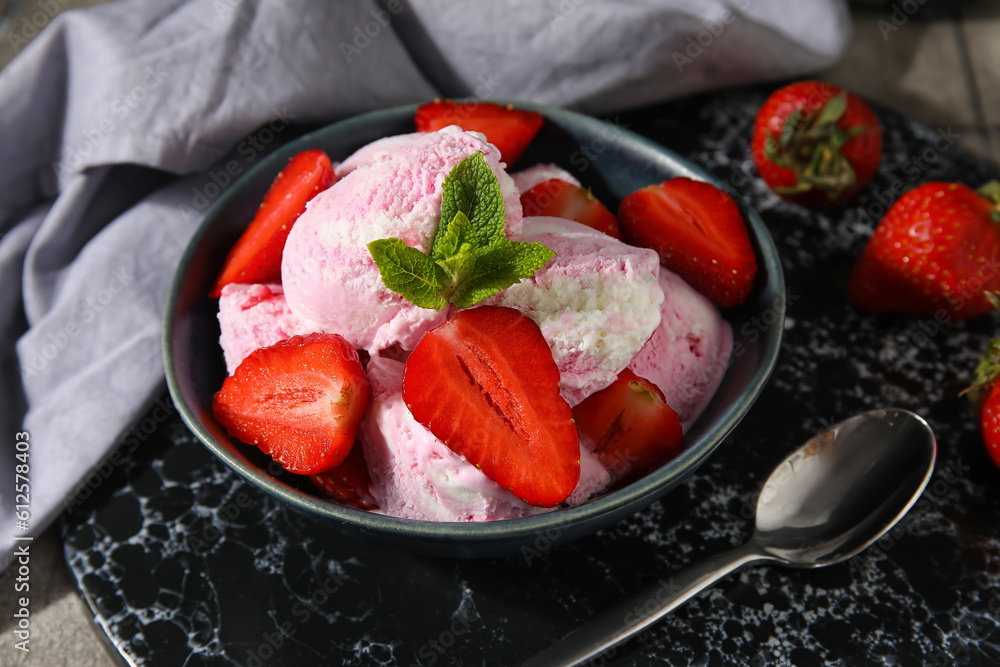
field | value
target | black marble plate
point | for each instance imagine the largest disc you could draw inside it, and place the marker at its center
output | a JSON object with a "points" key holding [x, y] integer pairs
{"points": [[183, 563], [609, 158]]}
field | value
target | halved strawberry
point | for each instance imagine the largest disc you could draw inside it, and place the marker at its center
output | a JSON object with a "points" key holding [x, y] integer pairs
{"points": [[300, 401], [560, 199], [256, 256], [632, 428], [349, 483], [507, 128], [698, 232], [485, 384]]}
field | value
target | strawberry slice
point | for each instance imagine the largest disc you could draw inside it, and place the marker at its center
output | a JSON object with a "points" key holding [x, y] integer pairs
{"points": [[349, 483], [485, 384], [632, 428], [507, 128], [560, 199], [300, 401], [698, 232], [256, 256]]}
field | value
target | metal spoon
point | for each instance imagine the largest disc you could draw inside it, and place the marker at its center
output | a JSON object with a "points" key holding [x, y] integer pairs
{"points": [[827, 501]]}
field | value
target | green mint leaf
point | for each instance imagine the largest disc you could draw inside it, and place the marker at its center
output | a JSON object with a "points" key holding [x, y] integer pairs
{"points": [[452, 236], [471, 258], [497, 267], [472, 189], [408, 272], [457, 252]]}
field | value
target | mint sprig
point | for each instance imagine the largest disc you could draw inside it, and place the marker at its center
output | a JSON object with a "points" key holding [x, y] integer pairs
{"points": [[470, 259]]}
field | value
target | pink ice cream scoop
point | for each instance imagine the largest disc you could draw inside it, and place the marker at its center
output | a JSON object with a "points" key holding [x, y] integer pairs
{"points": [[329, 277], [597, 302], [254, 316], [688, 354], [376, 150], [416, 476]]}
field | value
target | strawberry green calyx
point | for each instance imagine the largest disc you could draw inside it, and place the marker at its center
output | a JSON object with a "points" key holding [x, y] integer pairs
{"points": [[991, 191], [986, 372], [811, 147], [470, 259]]}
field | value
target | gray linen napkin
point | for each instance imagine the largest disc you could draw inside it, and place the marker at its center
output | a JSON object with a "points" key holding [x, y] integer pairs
{"points": [[113, 118]]}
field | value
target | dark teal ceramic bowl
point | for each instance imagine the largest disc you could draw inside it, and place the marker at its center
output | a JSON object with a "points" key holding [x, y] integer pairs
{"points": [[611, 160]]}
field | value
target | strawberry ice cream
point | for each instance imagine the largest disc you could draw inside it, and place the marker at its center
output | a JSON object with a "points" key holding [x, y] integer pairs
{"points": [[601, 305], [416, 476], [377, 150], [254, 316], [688, 353], [329, 276], [597, 301]]}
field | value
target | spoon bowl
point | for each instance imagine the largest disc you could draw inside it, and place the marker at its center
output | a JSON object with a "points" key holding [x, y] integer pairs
{"points": [[828, 500], [844, 488]]}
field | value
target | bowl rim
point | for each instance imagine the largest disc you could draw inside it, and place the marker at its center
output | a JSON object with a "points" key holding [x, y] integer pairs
{"points": [[608, 508]]}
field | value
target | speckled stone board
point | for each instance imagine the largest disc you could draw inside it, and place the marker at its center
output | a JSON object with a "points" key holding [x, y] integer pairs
{"points": [[183, 564]]}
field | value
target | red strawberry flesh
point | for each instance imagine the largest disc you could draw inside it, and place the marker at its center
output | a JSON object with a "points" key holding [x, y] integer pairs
{"points": [[485, 384], [349, 483], [510, 130], [698, 232], [560, 199], [300, 401], [630, 426], [256, 256]]}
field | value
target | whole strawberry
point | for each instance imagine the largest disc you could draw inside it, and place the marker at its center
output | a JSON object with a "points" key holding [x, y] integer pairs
{"points": [[816, 144], [985, 396], [935, 253]]}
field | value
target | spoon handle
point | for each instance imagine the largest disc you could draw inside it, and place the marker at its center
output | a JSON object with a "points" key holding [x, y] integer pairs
{"points": [[605, 631]]}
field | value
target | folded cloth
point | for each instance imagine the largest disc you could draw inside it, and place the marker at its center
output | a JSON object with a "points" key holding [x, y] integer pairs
{"points": [[116, 119]]}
